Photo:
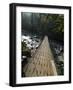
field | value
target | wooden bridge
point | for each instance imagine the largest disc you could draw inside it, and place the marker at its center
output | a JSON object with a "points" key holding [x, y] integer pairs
{"points": [[42, 63]]}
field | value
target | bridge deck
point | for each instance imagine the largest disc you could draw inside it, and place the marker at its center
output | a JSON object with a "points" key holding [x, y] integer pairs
{"points": [[42, 63]]}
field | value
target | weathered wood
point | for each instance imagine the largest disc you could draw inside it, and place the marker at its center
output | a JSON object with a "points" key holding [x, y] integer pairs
{"points": [[42, 64]]}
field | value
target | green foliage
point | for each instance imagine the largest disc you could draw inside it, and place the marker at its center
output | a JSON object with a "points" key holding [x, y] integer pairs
{"points": [[43, 23], [25, 50], [53, 22]]}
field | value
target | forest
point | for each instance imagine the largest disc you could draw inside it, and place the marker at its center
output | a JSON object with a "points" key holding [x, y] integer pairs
{"points": [[42, 24], [35, 26]]}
